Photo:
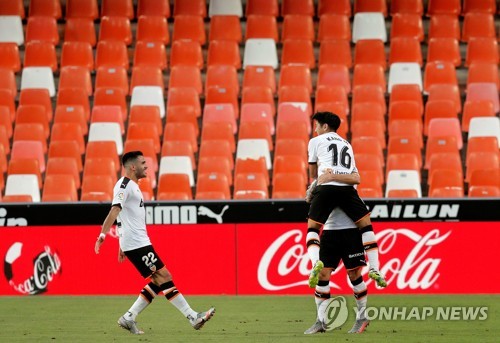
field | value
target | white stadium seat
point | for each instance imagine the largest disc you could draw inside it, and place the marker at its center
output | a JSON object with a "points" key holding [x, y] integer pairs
{"points": [[254, 149], [107, 132], [23, 184], [485, 127], [38, 77], [177, 165], [369, 25], [260, 52], [225, 7], [404, 74], [11, 29], [148, 96], [403, 180]]}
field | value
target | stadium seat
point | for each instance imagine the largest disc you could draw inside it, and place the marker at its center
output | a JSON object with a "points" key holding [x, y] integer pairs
{"points": [[189, 28], [174, 187], [262, 7], [370, 25], [117, 8], [254, 148], [476, 108], [9, 57], [370, 6], [444, 127], [487, 6], [82, 9], [186, 77], [404, 73], [481, 50], [80, 30], [210, 183], [481, 161], [440, 144], [444, 50], [12, 8], [190, 7], [77, 54], [340, 7], [410, 92], [219, 131], [405, 50], [112, 77], [298, 52], [217, 95], [43, 29], [71, 114], [368, 111], [402, 193], [369, 146], [33, 114], [483, 73], [44, 8], [485, 183], [293, 147], [5, 147], [183, 97], [258, 95], [403, 145], [76, 77], [38, 78], [181, 132], [334, 27], [446, 183], [451, 7], [153, 8], [152, 29], [8, 81], [33, 97], [27, 167], [484, 127], [11, 29], [439, 73], [111, 54], [295, 75], [68, 132], [369, 93], [403, 180], [404, 110], [478, 25], [216, 148], [186, 53], [6, 121], [295, 95], [371, 185], [260, 52], [225, 27], [146, 189], [369, 129], [224, 53], [488, 144], [333, 52], [261, 27], [177, 165], [257, 166], [484, 91], [149, 96], [178, 148], [146, 76], [115, 29], [407, 25], [301, 7], [255, 130], [26, 150], [438, 109], [220, 113], [146, 114], [30, 132], [370, 51], [111, 97], [64, 166], [66, 149], [294, 112], [40, 54], [97, 188], [106, 132], [448, 92], [184, 114], [444, 26], [329, 75], [407, 128], [403, 161], [103, 149], [250, 186], [108, 114], [216, 164], [289, 164], [255, 76], [289, 186], [369, 74], [298, 27], [100, 166], [222, 76], [23, 185]]}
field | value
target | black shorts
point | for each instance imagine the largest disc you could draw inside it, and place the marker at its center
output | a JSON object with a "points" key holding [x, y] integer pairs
{"points": [[326, 197], [145, 260], [342, 244]]}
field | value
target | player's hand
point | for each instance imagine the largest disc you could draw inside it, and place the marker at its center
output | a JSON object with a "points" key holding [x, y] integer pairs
{"points": [[325, 177], [98, 244], [121, 256], [309, 191]]}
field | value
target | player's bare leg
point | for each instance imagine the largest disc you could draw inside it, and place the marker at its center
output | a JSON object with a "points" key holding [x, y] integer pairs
{"points": [[371, 249], [312, 243]]}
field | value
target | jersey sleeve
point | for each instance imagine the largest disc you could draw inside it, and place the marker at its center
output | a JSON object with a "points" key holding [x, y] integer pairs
{"points": [[312, 151], [119, 196]]}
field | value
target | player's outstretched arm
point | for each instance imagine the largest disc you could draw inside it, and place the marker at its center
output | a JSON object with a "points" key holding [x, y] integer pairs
{"points": [[106, 226]]}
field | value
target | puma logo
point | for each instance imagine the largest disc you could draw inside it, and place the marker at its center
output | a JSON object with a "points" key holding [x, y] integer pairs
{"points": [[205, 211]]}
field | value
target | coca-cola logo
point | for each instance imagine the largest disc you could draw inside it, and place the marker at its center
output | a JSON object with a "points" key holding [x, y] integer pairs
{"points": [[286, 259], [46, 265]]}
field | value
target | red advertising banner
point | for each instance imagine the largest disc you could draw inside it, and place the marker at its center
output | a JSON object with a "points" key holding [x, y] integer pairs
{"points": [[61, 260], [425, 257], [416, 257]]}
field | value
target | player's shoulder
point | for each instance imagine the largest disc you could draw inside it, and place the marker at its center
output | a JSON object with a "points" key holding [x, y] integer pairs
{"points": [[123, 182]]}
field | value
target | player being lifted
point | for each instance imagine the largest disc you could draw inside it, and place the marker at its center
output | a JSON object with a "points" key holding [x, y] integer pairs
{"points": [[331, 154], [341, 240], [129, 211]]}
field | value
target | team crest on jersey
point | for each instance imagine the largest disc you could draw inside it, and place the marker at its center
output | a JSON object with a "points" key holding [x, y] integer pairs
{"points": [[120, 196]]}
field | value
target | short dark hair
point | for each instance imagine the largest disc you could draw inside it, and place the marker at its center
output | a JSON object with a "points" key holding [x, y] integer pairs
{"points": [[130, 156], [329, 118]]}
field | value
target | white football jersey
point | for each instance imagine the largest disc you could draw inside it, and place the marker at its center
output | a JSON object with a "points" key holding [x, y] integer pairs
{"points": [[338, 220], [132, 218], [330, 151]]}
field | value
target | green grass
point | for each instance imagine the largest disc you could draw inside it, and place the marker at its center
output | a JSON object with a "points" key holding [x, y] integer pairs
{"points": [[238, 319]]}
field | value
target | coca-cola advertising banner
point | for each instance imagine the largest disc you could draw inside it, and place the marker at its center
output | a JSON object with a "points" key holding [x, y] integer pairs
{"points": [[425, 257]]}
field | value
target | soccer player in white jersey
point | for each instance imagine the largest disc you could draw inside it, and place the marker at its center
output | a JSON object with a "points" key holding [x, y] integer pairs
{"points": [[341, 240], [331, 154], [128, 210]]}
